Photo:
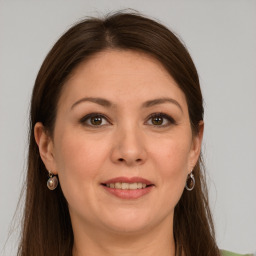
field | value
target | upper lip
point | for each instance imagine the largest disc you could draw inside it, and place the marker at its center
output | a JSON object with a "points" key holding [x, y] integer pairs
{"points": [[128, 180]]}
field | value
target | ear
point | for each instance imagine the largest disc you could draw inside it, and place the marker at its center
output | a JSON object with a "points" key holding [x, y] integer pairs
{"points": [[45, 146], [196, 146]]}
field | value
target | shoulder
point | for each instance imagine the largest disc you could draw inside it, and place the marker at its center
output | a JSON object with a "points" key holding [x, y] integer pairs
{"points": [[227, 253]]}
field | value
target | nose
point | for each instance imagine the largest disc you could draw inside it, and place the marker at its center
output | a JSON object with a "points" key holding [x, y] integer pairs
{"points": [[128, 147]]}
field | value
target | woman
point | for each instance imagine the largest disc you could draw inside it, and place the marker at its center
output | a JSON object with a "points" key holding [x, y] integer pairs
{"points": [[117, 121]]}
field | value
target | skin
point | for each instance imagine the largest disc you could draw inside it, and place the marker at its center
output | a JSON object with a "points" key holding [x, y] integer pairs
{"points": [[127, 143]]}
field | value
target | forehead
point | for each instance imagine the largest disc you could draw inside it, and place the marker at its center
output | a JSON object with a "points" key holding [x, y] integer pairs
{"points": [[121, 76]]}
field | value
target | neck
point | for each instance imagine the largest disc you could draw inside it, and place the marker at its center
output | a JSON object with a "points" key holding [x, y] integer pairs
{"points": [[156, 241]]}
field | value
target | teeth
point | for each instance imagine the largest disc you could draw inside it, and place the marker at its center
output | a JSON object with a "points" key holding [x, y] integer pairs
{"points": [[139, 185], [133, 186], [118, 185], [124, 185]]}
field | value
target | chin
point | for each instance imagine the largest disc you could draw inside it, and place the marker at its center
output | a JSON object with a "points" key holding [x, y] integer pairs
{"points": [[129, 228], [129, 221]]}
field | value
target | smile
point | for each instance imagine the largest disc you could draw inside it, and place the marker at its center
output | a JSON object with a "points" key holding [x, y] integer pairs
{"points": [[128, 188], [125, 185]]}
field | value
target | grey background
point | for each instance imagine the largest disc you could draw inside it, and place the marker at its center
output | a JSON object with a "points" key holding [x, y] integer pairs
{"points": [[221, 37]]}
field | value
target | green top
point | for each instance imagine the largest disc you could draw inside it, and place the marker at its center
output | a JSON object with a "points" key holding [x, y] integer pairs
{"points": [[226, 253]]}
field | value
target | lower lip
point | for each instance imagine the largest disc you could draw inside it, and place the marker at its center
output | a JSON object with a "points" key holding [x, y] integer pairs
{"points": [[128, 193]]}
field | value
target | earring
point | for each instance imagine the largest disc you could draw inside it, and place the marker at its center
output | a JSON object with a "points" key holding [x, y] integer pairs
{"points": [[190, 184], [52, 182]]}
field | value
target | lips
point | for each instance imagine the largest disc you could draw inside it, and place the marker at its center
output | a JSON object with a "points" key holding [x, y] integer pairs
{"points": [[128, 188], [125, 185], [128, 180]]}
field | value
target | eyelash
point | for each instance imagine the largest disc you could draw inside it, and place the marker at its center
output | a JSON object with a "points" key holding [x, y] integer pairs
{"points": [[89, 116], [169, 119]]}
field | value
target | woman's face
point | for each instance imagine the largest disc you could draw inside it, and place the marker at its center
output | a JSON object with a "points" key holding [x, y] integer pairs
{"points": [[122, 124]]}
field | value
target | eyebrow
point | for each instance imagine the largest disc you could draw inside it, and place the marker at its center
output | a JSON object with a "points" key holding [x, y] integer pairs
{"points": [[147, 104], [100, 101], [154, 102]]}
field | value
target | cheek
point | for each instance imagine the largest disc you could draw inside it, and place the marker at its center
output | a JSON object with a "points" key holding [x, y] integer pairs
{"points": [[172, 155], [78, 162], [171, 159], [174, 169], [77, 154]]}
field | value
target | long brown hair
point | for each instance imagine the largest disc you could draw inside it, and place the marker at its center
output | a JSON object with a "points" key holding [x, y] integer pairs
{"points": [[47, 226]]}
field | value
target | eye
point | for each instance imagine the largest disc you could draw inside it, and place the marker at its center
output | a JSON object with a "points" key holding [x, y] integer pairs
{"points": [[94, 119], [160, 119]]}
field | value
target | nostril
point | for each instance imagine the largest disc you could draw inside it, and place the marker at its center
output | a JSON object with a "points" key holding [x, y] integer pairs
{"points": [[138, 160]]}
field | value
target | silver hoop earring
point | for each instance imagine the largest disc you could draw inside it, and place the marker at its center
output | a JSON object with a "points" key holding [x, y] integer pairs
{"points": [[52, 182], [190, 183]]}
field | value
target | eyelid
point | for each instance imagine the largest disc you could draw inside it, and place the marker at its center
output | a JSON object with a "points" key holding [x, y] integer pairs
{"points": [[170, 119], [95, 114]]}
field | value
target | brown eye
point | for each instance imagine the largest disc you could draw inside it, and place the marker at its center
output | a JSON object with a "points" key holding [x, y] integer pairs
{"points": [[160, 120], [157, 120], [96, 120]]}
